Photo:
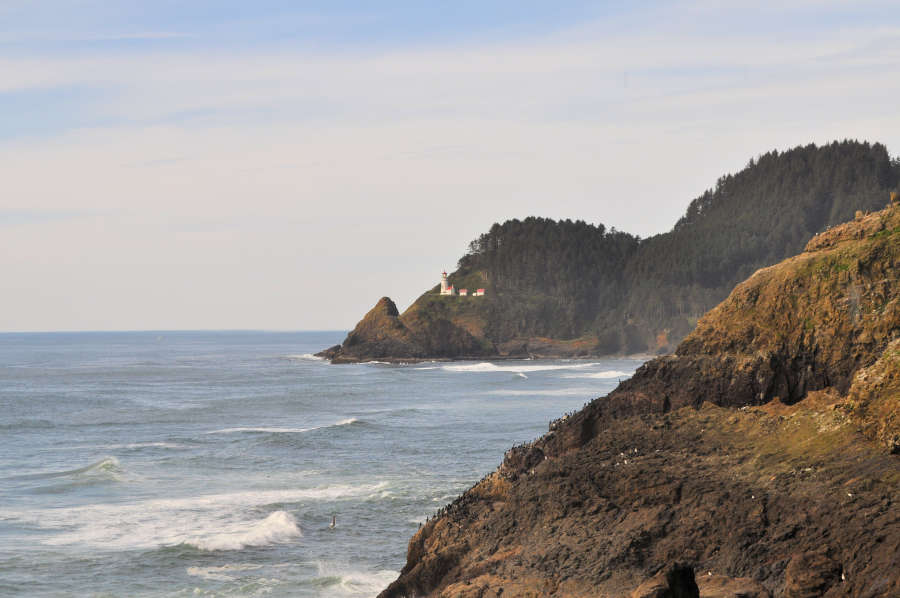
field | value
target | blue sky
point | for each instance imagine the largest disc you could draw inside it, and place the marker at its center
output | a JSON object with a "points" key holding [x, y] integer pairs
{"points": [[284, 165]]}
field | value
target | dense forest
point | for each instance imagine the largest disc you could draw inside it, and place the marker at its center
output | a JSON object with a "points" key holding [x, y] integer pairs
{"points": [[568, 279]]}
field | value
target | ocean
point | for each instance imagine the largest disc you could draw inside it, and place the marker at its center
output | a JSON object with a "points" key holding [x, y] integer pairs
{"points": [[212, 463]]}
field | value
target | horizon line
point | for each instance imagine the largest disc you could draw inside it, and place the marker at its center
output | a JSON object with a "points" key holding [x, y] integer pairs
{"points": [[171, 330]]}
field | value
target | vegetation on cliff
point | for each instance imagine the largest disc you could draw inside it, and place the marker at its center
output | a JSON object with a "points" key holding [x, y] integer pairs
{"points": [[585, 280], [572, 288], [765, 454]]}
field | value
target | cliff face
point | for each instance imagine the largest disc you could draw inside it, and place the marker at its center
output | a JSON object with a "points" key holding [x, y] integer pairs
{"points": [[763, 454], [384, 334]]}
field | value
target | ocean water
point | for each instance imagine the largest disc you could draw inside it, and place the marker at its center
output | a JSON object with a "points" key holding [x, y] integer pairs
{"points": [[212, 463]]}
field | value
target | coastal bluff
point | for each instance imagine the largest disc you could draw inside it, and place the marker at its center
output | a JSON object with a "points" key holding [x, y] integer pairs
{"points": [[761, 459], [543, 288]]}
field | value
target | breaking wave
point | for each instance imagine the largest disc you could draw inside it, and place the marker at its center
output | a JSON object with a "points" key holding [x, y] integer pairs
{"points": [[514, 368], [558, 392], [345, 580], [207, 522], [305, 357], [602, 375], [276, 430], [142, 445], [261, 430], [106, 467], [277, 528]]}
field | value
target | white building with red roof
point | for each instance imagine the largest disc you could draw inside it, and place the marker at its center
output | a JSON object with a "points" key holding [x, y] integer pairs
{"points": [[447, 288]]}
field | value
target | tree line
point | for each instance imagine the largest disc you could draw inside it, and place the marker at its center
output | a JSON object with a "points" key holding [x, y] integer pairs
{"points": [[567, 279]]}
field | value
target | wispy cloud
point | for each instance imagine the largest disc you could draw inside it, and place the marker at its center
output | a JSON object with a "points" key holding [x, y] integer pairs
{"points": [[219, 172], [42, 36]]}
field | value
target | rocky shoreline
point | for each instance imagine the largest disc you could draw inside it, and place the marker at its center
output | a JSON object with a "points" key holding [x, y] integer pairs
{"points": [[761, 459], [334, 355], [383, 335]]}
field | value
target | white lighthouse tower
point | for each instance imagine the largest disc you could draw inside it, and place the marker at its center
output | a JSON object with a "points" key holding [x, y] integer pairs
{"points": [[446, 287]]}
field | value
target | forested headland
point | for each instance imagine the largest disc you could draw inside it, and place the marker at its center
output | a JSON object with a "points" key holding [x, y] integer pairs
{"points": [[574, 288], [565, 279]]}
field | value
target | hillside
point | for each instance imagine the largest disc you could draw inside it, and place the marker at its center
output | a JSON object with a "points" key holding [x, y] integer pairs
{"points": [[761, 459], [574, 289]]}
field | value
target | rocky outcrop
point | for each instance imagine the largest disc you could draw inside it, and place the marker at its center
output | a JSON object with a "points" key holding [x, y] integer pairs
{"points": [[379, 333], [874, 399], [677, 582], [762, 454], [440, 327], [383, 334]]}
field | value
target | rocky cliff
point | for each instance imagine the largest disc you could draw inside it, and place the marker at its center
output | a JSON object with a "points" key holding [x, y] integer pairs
{"points": [[419, 333], [761, 458]]}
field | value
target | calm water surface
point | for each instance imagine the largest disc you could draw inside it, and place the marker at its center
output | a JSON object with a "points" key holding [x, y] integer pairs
{"points": [[211, 463]]}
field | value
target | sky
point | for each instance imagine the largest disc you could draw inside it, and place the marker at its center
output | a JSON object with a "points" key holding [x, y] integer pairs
{"points": [[282, 165]]}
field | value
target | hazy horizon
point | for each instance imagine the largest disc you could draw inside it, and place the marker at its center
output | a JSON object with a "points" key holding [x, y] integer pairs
{"points": [[228, 166]]}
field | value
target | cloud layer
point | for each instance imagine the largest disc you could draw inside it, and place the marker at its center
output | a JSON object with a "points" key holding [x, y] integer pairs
{"points": [[189, 183]]}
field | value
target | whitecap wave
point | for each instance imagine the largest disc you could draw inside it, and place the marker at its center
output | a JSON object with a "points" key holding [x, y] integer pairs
{"points": [[601, 375], [261, 430], [559, 392], [105, 467], [487, 366], [142, 445], [305, 357], [277, 528], [346, 580], [278, 430], [164, 522]]}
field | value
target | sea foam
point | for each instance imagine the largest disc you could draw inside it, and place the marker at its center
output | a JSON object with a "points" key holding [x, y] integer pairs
{"points": [[262, 430], [277, 528], [305, 357], [210, 521], [557, 392], [223, 573], [343, 579], [486, 366], [601, 375], [277, 430]]}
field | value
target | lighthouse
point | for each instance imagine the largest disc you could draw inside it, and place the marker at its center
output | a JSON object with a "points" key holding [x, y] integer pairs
{"points": [[446, 287]]}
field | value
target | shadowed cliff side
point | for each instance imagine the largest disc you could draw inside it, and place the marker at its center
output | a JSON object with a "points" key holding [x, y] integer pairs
{"points": [[763, 453]]}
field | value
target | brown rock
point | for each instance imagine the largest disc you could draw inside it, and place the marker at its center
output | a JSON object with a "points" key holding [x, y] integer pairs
{"points": [[677, 582], [721, 586], [385, 334], [810, 575]]}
